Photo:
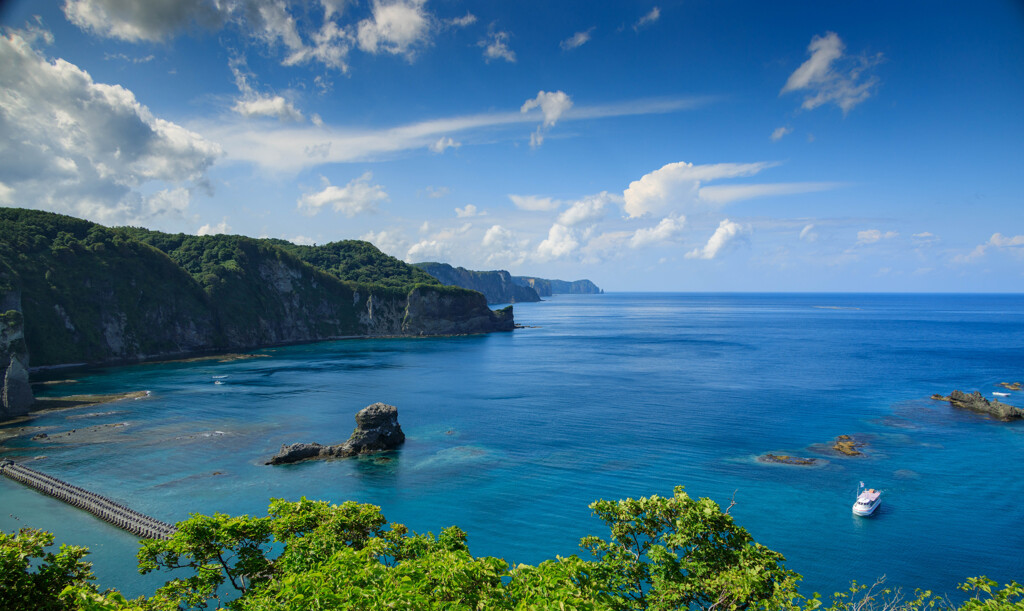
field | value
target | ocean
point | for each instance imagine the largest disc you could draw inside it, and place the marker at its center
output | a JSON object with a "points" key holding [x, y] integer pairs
{"points": [[510, 436]]}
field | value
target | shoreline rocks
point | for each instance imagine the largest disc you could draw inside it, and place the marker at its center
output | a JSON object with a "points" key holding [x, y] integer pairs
{"points": [[977, 403], [845, 444], [782, 459], [377, 430]]}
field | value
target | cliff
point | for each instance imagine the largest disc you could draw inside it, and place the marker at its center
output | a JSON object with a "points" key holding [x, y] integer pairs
{"points": [[15, 392], [497, 286], [546, 287], [91, 294]]}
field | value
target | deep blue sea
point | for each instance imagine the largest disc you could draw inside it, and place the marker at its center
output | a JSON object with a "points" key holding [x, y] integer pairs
{"points": [[512, 435]]}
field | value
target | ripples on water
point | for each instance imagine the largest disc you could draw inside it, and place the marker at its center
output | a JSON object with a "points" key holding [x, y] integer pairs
{"points": [[510, 436]]}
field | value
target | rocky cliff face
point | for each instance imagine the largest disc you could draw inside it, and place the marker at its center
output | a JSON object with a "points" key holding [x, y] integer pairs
{"points": [[547, 288], [93, 295], [497, 286], [15, 392]]}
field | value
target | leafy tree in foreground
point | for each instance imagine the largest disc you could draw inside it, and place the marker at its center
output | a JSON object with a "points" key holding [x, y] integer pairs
{"points": [[663, 553], [39, 589]]}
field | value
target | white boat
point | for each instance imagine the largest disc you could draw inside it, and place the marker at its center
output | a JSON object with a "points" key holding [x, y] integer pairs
{"points": [[1001, 394], [867, 501]]}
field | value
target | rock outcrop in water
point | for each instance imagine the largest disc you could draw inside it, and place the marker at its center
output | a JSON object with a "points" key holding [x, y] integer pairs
{"points": [[975, 402], [377, 430]]}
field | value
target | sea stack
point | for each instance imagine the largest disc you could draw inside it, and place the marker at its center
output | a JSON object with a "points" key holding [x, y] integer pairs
{"points": [[377, 430]]}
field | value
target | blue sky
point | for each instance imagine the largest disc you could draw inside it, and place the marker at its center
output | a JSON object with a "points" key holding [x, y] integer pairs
{"points": [[694, 145]]}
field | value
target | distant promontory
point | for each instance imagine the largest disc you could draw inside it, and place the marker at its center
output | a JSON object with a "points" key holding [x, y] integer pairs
{"points": [[499, 286]]}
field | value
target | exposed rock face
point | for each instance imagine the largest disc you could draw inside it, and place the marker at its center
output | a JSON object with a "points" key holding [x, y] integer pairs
{"points": [[546, 287], [975, 402], [497, 286], [844, 444], [15, 392], [431, 311], [377, 430], [787, 460]]}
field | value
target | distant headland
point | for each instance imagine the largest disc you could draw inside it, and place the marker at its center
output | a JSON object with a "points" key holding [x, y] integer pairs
{"points": [[499, 286]]}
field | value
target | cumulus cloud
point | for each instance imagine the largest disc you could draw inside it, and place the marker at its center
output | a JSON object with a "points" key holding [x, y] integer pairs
{"points": [[577, 40], [253, 104], [561, 242], [358, 196], [445, 142], [678, 184], [829, 76], [396, 27], [553, 105], [726, 232], [221, 227], [149, 20], [535, 203], [467, 212], [870, 236], [668, 229], [495, 46], [390, 242], [84, 148], [503, 247], [588, 210], [428, 250], [781, 132], [647, 19]]}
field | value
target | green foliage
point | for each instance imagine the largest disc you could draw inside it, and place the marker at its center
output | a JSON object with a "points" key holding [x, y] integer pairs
{"points": [[668, 553], [31, 579], [359, 262], [663, 553]]}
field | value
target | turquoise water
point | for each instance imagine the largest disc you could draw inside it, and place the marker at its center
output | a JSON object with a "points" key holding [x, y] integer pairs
{"points": [[510, 436]]}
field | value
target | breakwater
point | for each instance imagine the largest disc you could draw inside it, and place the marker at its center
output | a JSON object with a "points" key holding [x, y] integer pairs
{"points": [[100, 506]]}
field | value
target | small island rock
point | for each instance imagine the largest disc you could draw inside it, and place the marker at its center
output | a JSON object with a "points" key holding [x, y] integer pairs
{"points": [[377, 430], [846, 444], [975, 402]]}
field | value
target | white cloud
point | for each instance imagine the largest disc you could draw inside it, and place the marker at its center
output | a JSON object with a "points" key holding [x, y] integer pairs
{"points": [[552, 104], [461, 22], [445, 142], [668, 229], [302, 240], [870, 236], [726, 232], [208, 229], [496, 46], [725, 194], [678, 185], [1013, 244], [781, 132], [535, 203], [169, 203], [504, 247], [647, 19], [561, 242], [588, 210], [388, 242], [428, 250], [358, 196], [149, 20], [807, 233], [467, 212], [83, 148], [254, 104], [397, 27], [577, 40], [830, 77]]}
